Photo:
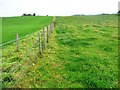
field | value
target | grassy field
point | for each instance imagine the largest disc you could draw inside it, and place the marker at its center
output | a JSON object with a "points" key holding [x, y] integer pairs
{"points": [[82, 53], [0, 30], [22, 26]]}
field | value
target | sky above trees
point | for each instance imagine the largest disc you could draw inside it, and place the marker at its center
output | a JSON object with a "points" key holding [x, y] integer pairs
{"points": [[57, 7]]}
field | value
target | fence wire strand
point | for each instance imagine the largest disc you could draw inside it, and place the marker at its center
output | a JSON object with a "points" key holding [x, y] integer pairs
{"points": [[17, 69]]}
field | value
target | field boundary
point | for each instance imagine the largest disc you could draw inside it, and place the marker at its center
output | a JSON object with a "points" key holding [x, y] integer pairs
{"points": [[32, 47], [12, 41], [43, 37]]}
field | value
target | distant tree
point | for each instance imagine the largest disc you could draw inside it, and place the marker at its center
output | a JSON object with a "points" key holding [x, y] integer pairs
{"points": [[34, 14], [105, 14], [29, 15], [118, 12], [78, 15], [24, 14]]}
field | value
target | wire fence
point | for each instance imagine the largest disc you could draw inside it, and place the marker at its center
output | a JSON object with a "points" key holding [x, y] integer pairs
{"points": [[12, 41], [11, 75]]}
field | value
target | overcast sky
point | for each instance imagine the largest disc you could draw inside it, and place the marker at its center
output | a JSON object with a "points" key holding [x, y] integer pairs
{"points": [[57, 7]]}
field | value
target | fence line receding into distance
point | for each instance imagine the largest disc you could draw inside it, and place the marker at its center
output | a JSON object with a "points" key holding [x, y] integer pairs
{"points": [[9, 42], [43, 37]]}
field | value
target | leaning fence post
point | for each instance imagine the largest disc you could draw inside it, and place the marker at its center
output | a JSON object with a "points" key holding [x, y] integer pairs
{"points": [[40, 43], [17, 41]]}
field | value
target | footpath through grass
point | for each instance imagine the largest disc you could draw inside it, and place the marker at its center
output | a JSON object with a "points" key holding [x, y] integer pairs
{"points": [[82, 53], [23, 25]]}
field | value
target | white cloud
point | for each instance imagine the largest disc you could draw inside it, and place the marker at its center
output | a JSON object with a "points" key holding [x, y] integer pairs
{"points": [[57, 7]]}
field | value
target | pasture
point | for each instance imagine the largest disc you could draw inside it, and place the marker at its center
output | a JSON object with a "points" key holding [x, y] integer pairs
{"points": [[23, 25], [82, 53]]}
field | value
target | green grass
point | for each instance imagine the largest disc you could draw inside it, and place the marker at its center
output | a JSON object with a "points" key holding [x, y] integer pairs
{"points": [[0, 30], [22, 25], [82, 53], [90, 46]]}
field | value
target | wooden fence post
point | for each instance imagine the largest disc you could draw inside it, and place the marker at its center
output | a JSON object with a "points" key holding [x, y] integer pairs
{"points": [[51, 27], [54, 24], [47, 35], [44, 37], [17, 38], [40, 43], [49, 30]]}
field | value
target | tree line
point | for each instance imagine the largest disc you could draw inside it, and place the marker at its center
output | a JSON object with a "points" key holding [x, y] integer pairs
{"points": [[24, 14]]}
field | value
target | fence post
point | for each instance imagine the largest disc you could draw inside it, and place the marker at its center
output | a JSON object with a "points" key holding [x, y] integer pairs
{"points": [[40, 43], [49, 30], [44, 37], [17, 41], [47, 35], [54, 24], [54, 21]]}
